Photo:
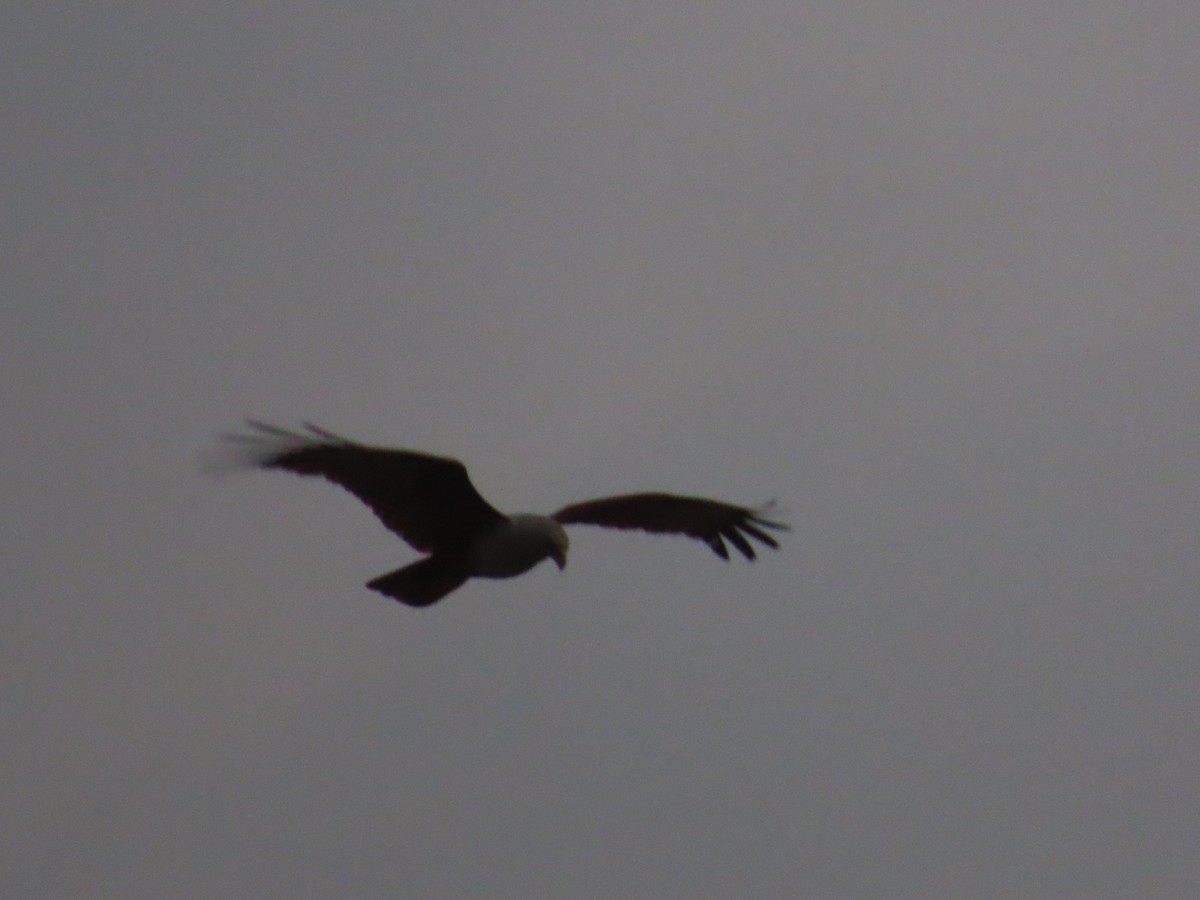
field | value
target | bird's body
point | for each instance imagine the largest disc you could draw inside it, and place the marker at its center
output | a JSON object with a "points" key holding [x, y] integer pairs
{"points": [[429, 501], [518, 545]]}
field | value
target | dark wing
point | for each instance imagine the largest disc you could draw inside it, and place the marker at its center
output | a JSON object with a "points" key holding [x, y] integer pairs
{"points": [[706, 520], [427, 500]]}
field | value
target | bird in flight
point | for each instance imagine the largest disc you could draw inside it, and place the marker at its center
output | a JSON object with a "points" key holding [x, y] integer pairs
{"points": [[429, 501]]}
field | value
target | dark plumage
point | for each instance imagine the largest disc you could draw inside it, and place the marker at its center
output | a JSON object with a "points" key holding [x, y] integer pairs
{"points": [[429, 501]]}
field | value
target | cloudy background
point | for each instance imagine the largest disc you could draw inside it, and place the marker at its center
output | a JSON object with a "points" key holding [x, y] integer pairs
{"points": [[923, 271]]}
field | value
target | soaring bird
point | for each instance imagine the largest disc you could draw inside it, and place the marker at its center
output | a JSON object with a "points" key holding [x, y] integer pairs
{"points": [[429, 501]]}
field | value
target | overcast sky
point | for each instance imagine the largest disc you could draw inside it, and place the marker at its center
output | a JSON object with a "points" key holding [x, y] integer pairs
{"points": [[924, 271]]}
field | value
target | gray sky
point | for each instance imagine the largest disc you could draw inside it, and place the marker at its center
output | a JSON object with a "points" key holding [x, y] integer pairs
{"points": [[923, 271]]}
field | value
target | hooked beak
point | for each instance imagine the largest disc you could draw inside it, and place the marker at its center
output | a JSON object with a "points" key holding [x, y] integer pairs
{"points": [[560, 559]]}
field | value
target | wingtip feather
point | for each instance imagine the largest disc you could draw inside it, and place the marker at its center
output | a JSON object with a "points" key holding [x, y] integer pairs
{"points": [[327, 435]]}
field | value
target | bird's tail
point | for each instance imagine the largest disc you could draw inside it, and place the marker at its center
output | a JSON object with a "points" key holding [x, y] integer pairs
{"points": [[422, 583]]}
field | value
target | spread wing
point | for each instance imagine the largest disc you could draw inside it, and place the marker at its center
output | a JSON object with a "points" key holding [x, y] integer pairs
{"points": [[428, 500], [706, 520]]}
